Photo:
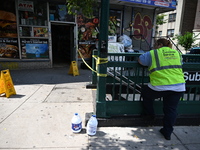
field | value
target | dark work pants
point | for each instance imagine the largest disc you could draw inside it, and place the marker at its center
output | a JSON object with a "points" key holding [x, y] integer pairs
{"points": [[170, 103]]}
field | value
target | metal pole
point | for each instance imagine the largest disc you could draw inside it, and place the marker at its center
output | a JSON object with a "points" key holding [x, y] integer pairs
{"points": [[102, 62]]}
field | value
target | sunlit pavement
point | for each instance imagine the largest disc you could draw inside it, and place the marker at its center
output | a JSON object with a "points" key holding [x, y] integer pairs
{"points": [[39, 117]]}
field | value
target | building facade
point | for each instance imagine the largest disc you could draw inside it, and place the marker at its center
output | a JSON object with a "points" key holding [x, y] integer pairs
{"points": [[41, 34], [186, 18]]}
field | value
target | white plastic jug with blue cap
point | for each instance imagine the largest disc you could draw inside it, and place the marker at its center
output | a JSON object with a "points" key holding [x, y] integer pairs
{"points": [[92, 125], [76, 123]]}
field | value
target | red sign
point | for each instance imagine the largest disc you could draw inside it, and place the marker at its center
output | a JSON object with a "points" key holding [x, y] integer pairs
{"points": [[26, 6]]}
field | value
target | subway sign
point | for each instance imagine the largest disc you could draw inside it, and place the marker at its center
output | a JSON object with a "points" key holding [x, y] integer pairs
{"points": [[192, 77]]}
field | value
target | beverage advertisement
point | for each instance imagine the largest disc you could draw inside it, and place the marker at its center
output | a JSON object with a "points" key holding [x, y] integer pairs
{"points": [[35, 48]]}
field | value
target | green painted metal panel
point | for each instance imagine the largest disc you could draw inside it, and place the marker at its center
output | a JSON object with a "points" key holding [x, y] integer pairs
{"points": [[101, 111], [189, 107], [122, 85], [124, 108]]}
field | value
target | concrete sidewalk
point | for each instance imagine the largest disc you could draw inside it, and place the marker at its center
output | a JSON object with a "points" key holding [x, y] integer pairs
{"points": [[39, 117]]}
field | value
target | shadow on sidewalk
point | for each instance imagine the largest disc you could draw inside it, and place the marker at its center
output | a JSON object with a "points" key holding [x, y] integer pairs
{"points": [[57, 75]]}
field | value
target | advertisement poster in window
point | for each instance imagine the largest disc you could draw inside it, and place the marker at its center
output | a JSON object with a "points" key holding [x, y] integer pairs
{"points": [[87, 35], [9, 48], [87, 28], [86, 50], [8, 24], [35, 48], [40, 32]]}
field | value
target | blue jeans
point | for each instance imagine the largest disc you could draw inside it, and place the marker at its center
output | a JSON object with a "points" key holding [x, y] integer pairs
{"points": [[170, 104]]}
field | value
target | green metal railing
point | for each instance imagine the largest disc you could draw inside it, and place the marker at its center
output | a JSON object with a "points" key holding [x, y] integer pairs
{"points": [[126, 77]]}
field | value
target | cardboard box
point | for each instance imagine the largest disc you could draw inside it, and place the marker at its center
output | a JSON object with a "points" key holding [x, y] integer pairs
{"points": [[112, 39]]}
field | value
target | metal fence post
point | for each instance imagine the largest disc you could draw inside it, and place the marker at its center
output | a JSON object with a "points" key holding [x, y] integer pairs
{"points": [[102, 63]]}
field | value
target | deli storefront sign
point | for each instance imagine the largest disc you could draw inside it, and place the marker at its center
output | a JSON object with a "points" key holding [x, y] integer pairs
{"points": [[192, 77]]}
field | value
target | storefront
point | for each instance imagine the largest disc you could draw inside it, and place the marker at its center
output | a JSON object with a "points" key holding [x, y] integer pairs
{"points": [[36, 34], [40, 34]]}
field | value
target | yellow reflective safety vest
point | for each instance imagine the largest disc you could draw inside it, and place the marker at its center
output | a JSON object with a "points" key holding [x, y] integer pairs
{"points": [[166, 67]]}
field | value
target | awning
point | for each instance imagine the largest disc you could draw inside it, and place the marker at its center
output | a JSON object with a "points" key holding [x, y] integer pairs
{"points": [[160, 5]]}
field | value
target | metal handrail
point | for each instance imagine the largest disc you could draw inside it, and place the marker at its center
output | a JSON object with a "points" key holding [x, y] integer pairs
{"points": [[168, 37]]}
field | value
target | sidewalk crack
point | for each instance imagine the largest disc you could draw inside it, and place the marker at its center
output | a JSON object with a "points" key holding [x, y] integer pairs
{"points": [[20, 105]]}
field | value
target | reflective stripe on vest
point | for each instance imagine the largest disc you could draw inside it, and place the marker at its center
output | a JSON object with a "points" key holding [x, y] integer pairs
{"points": [[158, 67], [166, 67]]}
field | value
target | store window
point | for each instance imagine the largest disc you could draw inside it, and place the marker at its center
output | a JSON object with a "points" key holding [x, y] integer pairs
{"points": [[170, 32], [33, 29], [172, 17], [8, 31], [59, 13], [115, 23], [160, 33], [88, 29], [32, 13]]}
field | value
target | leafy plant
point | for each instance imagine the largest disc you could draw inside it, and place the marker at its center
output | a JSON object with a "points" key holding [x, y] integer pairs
{"points": [[160, 19], [83, 6], [187, 40]]}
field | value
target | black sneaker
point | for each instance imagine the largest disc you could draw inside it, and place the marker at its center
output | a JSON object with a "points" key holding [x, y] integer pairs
{"points": [[163, 133]]}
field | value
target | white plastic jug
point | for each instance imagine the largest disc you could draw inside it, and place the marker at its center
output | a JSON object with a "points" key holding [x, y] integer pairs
{"points": [[92, 125], [76, 123]]}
